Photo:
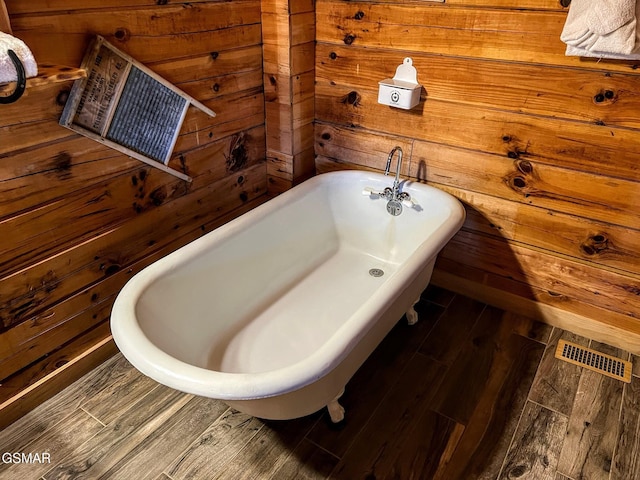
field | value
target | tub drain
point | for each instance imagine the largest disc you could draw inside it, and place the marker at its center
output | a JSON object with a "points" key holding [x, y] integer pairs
{"points": [[376, 272]]}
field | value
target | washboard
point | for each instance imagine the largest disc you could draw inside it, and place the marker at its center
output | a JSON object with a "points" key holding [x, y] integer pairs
{"points": [[124, 105]]}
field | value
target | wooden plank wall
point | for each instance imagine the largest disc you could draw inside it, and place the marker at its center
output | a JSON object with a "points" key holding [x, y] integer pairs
{"points": [[5, 23], [77, 219], [543, 149], [288, 35]]}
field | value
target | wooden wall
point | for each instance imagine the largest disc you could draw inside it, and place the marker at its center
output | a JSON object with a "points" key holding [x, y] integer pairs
{"points": [[543, 149], [288, 36], [77, 219]]}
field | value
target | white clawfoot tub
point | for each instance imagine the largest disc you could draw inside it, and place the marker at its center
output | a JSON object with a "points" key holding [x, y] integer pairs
{"points": [[275, 311]]}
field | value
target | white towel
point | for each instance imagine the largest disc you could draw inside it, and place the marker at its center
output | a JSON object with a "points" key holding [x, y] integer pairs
{"points": [[7, 68], [580, 52], [602, 28]]}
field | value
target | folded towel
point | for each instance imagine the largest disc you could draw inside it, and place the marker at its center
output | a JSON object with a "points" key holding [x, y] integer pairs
{"points": [[580, 52], [8, 71], [605, 28]]}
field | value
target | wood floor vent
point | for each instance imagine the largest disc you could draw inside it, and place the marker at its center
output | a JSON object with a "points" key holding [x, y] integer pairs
{"points": [[598, 362]]}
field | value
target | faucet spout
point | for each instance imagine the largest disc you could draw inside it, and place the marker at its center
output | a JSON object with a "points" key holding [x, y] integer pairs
{"points": [[396, 182], [395, 198]]}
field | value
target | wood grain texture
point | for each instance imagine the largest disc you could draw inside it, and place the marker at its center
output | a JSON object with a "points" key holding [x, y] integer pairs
{"points": [[529, 182], [16, 436], [484, 355], [5, 22], [560, 476], [72, 209], [306, 462], [268, 450], [499, 34], [168, 440], [377, 452], [112, 444], [537, 268], [427, 447], [592, 431], [556, 383], [447, 338], [481, 450], [376, 376], [288, 33], [162, 47], [30, 387], [58, 277], [626, 457], [215, 447], [601, 244], [46, 331], [518, 136], [554, 309], [41, 6], [561, 92], [59, 441], [148, 20], [541, 147], [536, 445], [134, 30]]}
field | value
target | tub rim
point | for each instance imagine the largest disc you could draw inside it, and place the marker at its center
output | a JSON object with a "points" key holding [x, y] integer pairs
{"points": [[152, 361]]}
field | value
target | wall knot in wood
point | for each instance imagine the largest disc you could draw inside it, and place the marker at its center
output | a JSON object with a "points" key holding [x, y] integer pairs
{"points": [[122, 35], [352, 98], [605, 97], [523, 178], [595, 244], [238, 156]]}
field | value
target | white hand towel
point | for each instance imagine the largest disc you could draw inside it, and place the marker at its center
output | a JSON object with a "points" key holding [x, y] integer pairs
{"points": [[602, 27], [7, 68], [581, 52]]}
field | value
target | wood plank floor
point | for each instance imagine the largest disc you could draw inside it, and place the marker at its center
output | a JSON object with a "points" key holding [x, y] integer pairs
{"points": [[470, 392]]}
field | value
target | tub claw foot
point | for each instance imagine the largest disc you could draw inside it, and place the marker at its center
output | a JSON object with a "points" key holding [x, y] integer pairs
{"points": [[412, 315], [336, 411]]}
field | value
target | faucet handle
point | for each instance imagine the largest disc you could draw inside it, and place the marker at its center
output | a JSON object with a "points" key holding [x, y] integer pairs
{"points": [[406, 200], [410, 203], [370, 192]]}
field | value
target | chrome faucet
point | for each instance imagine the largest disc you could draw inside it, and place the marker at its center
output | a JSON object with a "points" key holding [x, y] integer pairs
{"points": [[395, 198], [396, 182]]}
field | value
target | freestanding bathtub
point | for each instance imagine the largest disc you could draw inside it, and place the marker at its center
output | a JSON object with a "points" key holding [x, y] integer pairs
{"points": [[275, 311]]}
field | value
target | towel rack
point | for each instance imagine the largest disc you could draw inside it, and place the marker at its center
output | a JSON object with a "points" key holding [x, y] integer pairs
{"points": [[46, 73]]}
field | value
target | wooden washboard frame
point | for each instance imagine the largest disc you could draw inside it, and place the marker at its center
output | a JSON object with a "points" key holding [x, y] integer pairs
{"points": [[126, 106]]}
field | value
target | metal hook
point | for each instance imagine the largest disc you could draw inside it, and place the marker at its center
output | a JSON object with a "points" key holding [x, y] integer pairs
{"points": [[22, 80]]}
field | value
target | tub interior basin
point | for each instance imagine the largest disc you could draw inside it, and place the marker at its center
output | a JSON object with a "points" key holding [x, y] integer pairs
{"points": [[289, 277], [301, 319]]}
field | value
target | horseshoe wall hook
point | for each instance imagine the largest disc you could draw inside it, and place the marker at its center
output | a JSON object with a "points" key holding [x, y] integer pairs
{"points": [[22, 80]]}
